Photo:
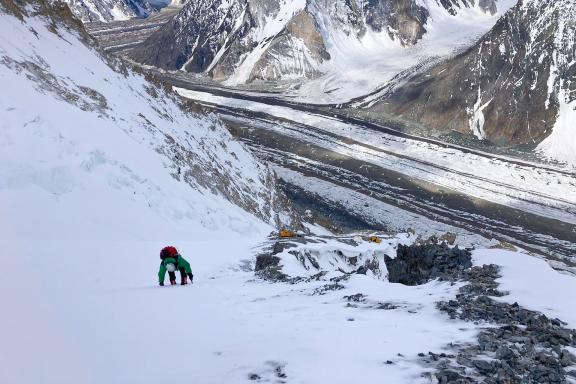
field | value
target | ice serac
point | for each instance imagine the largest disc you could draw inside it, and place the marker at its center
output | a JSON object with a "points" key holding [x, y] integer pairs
{"points": [[515, 85], [79, 126]]}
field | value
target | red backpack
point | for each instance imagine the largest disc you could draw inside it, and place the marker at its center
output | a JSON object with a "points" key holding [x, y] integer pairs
{"points": [[167, 252]]}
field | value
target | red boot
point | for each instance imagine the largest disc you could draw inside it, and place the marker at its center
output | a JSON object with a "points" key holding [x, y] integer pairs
{"points": [[172, 282], [184, 280]]}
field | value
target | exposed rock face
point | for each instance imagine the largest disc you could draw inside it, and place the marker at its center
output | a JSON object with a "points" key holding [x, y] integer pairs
{"points": [[508, 87], [253, 39], [403, 19], [193, 46], [268, 267], [454, 5], [296, 51], [488, 6], [418, 264]]}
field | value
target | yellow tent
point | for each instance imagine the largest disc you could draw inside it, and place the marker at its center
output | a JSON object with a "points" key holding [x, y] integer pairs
{"points": [[375, 239], [287, 233]]}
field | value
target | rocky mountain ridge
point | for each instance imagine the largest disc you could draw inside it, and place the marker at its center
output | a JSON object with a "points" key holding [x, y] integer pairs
{"points": [[245, 40], [515, 85]]}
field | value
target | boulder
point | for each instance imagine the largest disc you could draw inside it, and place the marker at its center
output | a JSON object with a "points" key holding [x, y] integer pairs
{"points": [[418, 264]]}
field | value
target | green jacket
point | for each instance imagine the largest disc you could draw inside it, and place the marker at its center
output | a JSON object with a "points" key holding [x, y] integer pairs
{"points": [[178, 261]]}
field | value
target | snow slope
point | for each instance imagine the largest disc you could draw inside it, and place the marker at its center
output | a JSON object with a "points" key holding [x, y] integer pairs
{"points": [[547, 290], [97, 132], [88, 196], [561, 144], [92, 184]]}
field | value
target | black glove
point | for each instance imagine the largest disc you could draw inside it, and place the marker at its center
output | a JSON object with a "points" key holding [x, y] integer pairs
{"points": [[161, 283], [191, 277]]}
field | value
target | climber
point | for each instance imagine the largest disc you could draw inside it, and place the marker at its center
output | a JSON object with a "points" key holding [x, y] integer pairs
{"points": [[171, 262]]}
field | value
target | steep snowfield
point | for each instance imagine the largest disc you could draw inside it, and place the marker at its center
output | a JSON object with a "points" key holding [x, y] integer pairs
{"points": [[561, 144], [76, 131], [89, 192]]}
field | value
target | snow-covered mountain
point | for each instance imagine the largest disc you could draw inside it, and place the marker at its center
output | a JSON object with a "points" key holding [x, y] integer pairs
{"points": [[109, 10], [515, 85], [244, 40]]}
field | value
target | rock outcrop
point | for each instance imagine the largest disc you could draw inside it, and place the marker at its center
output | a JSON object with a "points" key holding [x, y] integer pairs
{"points": [[517, 346], [404, 20], [296, 51], [418, 264]]}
